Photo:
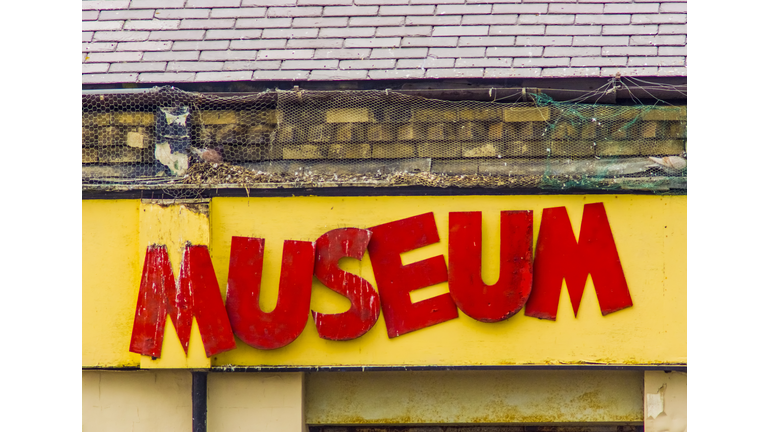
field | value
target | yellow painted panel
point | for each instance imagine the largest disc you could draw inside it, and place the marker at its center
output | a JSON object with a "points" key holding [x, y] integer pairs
{"points": [[650, 234], [256, 402], [474, 397], [111, 274], [174, 226], [137, 401]]}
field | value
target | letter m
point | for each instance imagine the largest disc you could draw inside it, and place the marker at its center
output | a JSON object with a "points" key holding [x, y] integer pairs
{"points": [[196, 294], [559, 256]]}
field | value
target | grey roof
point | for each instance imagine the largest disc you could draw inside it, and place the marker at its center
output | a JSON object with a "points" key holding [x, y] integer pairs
{"points": [[175, 41]]}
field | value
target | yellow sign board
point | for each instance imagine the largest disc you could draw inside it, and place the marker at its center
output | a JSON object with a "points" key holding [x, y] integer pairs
{"points": [[649, 233]]}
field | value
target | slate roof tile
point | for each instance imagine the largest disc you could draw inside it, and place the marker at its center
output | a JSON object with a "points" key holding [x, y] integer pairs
{"points": [[167, 41]]}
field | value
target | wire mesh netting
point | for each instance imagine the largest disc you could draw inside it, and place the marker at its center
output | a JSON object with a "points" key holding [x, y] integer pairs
{"points": [[171, 139]]}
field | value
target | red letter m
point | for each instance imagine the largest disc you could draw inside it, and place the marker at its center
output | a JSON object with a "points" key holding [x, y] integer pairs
{"points": [[559, 256], [196, 294]]}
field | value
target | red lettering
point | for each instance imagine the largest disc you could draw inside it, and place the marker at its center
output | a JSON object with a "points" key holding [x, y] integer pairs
{"points": [[490, 303], [362, 315], [559, 256], [276, 329], [196, 294], [395, 281]]}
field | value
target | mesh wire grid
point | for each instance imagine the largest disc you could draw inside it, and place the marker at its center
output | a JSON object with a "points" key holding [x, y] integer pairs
{"points": [[176, 140]]}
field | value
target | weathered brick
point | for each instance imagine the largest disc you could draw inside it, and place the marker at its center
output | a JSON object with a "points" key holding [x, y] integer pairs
{"points": [[526, 114], [320, 132], [144, 46], [629, 51], [262, 44], [372, 43], [99, 47], [153, 24], [598, 61], [349, 151], [95, 68], [382, 74], [290, 33], [295, 12], [285, 54], [315, 43], [663, 147], [433, 20], [676, 129], [512, 73], [617, 148], [429, 42], [194, 66], [124, 155], [572, 148], [90, 155], [483, 9], [263, 23], [514, 51], [438, 150], [546, 19], [575, 8], [483, 62], [571, 51], [227, 55], [434, 115], [496, 131], [403, 31], [177, 35], [488, 19], [348, 132], [393, 151], [138, 67], [517, 30], [139, 138], [342, 53], [376, 21], [380, 132], [200, 45], [649, 129], [367, 64], [572, 30], [112, 57], [207, 24], [87, 36], [166, 77], [570, 72], [90, 15], [519, 8], [96, 119], [348, 115], [672, 71], [488, 149], [603, 19], [347, 32], [121, 36], [660, 19], [347, 11], [171, 56], [461, 31], [319, 22], [632, 8], [304, 151], [526, 148], [410, 132], [105, 4], [280, 75], [657, 40], [212, 3], [544, 40], [309, 64], [600, 40], [258, 12], [153, 4], [109, 15], [439, 131], [109, 135], [470, 131], [406, 10], [182, 13], [666, 113], [223, 76], [542, 62]]}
